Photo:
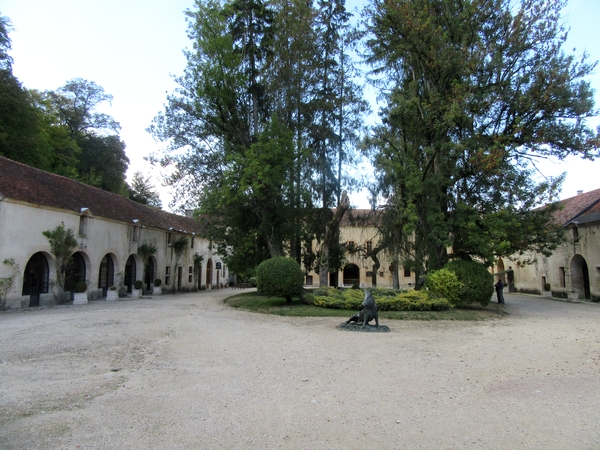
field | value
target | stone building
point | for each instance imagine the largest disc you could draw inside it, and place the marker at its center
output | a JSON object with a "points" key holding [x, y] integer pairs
{"points": [[358, 233], [573, 270], [109, 230]]}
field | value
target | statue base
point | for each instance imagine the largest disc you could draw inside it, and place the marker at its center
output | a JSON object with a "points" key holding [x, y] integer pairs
{"points": [[358, 327]]}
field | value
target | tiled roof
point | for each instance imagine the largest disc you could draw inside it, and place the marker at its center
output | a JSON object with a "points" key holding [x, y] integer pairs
{"points": [[578, 206], [28, 184]]}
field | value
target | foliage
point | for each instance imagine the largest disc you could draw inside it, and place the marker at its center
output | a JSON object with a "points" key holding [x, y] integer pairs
{"points": [[81, 287], [6, 283], [389, 301], [198, 259], [62, 243], [280, 277], [157, 282], [475, 93], [142, 191], [263, 124], [60, 131], [478, 282], [278, 306], [180, 245], [138, 284], [444, 283]]}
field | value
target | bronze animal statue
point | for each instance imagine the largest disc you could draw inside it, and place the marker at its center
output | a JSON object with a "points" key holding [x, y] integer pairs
{"points": [[367, 313]]}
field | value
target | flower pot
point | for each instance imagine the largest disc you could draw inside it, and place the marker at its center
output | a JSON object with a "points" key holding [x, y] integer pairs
{"points": [[136, 293], [112, 296], [156, 290], [80, 298]]}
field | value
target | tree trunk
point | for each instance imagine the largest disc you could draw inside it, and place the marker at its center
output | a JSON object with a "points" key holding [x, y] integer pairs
{"points": [[332, 235]]}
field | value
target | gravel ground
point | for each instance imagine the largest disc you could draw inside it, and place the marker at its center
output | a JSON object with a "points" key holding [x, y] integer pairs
{"points": [[188, 372]]}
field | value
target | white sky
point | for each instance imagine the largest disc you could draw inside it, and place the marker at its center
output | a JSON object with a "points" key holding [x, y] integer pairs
{"points": [[133, 47]]}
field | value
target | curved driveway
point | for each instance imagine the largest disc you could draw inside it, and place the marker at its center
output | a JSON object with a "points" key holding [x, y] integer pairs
{"points": [[188, 372]]}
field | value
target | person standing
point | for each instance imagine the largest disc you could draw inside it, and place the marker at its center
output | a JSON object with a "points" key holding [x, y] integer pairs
{"points": [[499, 291]]}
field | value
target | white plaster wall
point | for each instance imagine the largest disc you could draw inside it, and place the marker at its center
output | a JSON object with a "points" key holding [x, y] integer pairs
{"points": [[22, 224], [530, 277]]}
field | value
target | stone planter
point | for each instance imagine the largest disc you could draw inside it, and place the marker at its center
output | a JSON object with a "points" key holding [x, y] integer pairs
{"points": [[112, 296], [573, 296], [547, 294], [156, 290], [136, 293], [80, 298]]}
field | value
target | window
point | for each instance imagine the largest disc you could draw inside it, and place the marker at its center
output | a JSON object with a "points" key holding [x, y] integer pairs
{"points": [[369, 274], [191, 274], [406, 272], [562, 277], [369, 246], [134, 233], [83, 226], [380, 274], [575, 234], [169, 239], [168, 275], [192, 242], [351, 246], [309, 280]]}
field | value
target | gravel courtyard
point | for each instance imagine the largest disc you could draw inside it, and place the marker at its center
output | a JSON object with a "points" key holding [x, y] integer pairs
{"points": [[188, 372]]}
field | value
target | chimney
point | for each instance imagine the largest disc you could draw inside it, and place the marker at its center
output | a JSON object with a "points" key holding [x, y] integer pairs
{"points": [[189, 213], [579, 192]]}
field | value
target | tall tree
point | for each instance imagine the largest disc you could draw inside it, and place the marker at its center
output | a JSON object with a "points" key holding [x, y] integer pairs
{"points": [[476, 92], [142, 190], [248, 112]]}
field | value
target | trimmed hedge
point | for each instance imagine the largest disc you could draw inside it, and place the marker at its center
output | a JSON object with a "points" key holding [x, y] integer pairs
{"points": [[280, 277], [386, 299], [477, 280], [444, 283]]}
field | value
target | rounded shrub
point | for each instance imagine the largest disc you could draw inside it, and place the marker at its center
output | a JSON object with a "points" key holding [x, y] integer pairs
{"points": [[444, 283], [81, 287], [157, 282], [138, 284], [478, 282], [280, 277]]}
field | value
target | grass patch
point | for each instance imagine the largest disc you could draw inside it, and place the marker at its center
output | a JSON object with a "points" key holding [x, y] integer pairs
{"points": [[251, 301]]}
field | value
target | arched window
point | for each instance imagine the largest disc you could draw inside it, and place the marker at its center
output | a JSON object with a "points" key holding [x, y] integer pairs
{"points": [[35, 278]]}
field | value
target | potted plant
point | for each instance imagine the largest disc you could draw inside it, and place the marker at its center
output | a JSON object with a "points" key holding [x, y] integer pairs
{"points": [[157, 290], [136, 292], [547, 290], [112, 294], [80, 295]]}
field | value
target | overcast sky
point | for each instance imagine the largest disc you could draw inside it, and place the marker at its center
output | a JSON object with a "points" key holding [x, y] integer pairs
{"points": [[133, 47]]}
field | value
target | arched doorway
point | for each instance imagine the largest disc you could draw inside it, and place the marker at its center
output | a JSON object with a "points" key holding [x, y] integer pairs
{"points": [[580, 277], [351, 275], [500, 269], [208, 274], [35, 278], [106, 275], [150, 273], [76, 271], [130, 273]]}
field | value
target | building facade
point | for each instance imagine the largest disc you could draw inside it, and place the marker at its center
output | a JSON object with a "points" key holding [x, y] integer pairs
{"points": [[110, 231], [358, 233], [573, 270]]}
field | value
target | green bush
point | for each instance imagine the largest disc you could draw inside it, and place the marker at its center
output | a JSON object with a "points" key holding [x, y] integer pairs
{"points": [[478, 282], [138, 284], [280, 277], [157, 282], [444, 283], [386, 300], [81, 287]]}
